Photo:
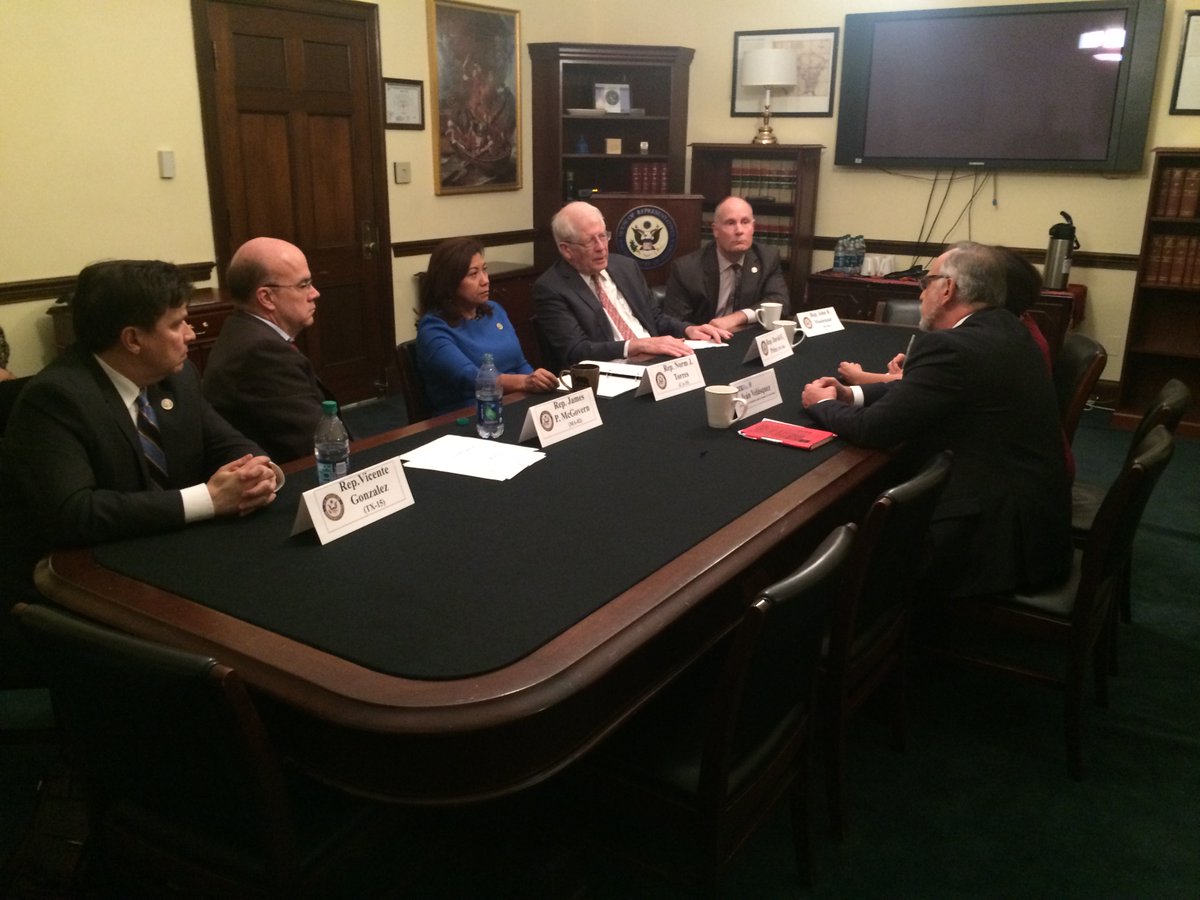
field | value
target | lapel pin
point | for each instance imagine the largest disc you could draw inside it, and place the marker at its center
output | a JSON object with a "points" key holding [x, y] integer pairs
{"points": [[754, 270], [167, 403], [499, 326]]}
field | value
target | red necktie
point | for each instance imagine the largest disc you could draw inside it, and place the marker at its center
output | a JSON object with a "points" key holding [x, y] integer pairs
{"points": [[623, 328]]}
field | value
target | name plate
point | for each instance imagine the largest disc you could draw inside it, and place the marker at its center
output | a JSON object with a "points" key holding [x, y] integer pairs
{"points": [[819, 321], [760, 391], [347, 504], [770, 347], [674, 376], [561, 418]]}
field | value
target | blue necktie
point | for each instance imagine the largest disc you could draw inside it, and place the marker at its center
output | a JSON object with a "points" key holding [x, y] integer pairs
{"points": [[147, 426]]}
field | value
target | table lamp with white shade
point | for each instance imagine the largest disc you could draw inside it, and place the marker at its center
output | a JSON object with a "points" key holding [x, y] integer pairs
{"points": [[767, 68]]}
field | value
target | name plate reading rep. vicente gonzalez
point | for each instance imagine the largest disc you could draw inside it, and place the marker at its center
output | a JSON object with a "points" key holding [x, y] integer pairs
{"points": [[348, 503], [674, 376], [561, 418]]}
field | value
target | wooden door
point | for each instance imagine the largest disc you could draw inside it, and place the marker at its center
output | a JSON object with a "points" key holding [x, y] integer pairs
{"points": [[290, 91]]}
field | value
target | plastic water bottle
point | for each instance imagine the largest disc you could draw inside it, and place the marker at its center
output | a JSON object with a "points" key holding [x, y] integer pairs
{"points": [[488, 400], [331, 445]]}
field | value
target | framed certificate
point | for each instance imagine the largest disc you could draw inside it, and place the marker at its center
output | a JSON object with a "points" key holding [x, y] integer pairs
{"points": [[613, 98], [403, 104]]}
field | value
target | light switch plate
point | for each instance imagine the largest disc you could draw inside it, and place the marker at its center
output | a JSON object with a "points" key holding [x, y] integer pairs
{"points": [[402, 172]]}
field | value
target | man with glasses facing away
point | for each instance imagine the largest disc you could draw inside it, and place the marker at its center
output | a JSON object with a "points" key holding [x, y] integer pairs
{"points": [[975, 383], [256, 376], [591, 305]]}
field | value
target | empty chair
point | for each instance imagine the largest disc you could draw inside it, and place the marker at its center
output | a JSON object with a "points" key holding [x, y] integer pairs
{"points": [[898, 311], [717, 748], [1077, 368], [996, 633], [185, 793], [411, 385], [868, 638], [1166, 409]]}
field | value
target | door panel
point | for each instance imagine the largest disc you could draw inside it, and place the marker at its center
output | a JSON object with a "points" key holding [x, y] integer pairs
{"points": [[300, 150]]}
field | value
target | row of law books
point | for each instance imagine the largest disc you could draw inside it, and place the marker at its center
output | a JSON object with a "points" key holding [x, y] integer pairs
{"points": [[1174, 261], [1178, 194], [772, 231], [648, 178], [763, 178]]}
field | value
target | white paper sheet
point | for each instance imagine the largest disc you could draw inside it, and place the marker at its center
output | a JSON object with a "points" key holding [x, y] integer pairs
{"points": [[476, 457]]}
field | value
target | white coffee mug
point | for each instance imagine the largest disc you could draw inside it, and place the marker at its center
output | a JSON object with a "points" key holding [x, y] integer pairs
{"points": [[768, 313], [723, 404], [788, 326]]}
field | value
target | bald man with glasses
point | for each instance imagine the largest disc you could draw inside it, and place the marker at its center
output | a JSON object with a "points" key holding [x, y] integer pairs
{"points": [[256, 376], [591, 305]]}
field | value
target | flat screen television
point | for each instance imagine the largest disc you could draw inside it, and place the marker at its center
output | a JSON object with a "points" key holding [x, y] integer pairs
{"points": [[1039, 86]]}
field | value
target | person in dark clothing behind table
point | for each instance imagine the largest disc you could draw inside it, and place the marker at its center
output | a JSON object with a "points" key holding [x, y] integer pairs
{"points": [[974, 383]]}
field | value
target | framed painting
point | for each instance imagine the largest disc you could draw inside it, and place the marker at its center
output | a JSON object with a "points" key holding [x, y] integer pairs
{"points": [[816, 67], [1185, 98], [476, 90]]}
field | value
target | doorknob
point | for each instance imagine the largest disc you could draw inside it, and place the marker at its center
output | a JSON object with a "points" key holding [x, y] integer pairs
{"points": [[369, 242]]}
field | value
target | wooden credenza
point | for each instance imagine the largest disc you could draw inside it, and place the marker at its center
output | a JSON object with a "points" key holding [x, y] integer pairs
{"points": [[857, 296], [207, 312]]}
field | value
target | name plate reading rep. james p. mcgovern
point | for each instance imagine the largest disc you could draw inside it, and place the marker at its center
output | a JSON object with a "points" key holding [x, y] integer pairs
{"points": [[561, 418]]}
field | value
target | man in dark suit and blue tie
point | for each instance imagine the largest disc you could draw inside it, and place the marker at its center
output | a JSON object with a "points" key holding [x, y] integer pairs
{"points": [[114, 439], [590, 305]]}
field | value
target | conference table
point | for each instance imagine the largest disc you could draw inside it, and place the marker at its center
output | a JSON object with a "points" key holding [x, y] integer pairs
{"points": [[482, 639]]}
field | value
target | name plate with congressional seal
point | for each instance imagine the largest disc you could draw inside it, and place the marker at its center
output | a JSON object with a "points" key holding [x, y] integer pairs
{"points": [[648, 234], [671, 377], [561, 418], [346, 504], [770, 347], [819, 321], [760, 391]]}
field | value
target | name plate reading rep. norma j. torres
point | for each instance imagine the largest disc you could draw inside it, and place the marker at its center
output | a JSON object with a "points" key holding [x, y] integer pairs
{"points": [[348, 503], [561, 418], [671, 377]]}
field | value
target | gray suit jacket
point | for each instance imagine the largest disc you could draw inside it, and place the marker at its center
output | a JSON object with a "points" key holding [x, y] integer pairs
{"points": [[572, 322], [695, 283]]}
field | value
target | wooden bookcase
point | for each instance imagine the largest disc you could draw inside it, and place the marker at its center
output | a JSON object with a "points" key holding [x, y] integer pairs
{"points": [[1163, 340], [780, 182], [571, 147]]}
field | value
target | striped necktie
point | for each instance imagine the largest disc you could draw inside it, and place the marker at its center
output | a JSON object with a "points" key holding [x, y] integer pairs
{"points": [[622, 326], [148, 434]]}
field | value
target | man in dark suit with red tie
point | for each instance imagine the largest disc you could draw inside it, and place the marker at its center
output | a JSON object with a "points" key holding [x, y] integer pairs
{"points": [[256, 376], [114, 439], [723, 282], [590, 305]]}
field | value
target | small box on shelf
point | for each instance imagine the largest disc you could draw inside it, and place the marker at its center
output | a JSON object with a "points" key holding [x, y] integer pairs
{"points": [[612, 145]]}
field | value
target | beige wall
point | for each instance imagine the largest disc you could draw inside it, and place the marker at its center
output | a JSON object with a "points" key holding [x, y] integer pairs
{"points": [[93, 88]]}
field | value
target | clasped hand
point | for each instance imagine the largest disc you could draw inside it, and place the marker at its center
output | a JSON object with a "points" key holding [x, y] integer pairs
{"points": [[242, 486]]}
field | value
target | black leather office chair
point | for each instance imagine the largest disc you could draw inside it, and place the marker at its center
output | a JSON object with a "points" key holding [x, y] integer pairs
{"points": [[1076, 370], [997, 633], [186, 795], [411, 385], [898, 311], [868, 638], [1166, 409], [716, 749]]}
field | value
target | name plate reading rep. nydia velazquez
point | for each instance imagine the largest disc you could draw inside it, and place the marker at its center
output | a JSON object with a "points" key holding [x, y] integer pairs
{"points": [[346, 504]]}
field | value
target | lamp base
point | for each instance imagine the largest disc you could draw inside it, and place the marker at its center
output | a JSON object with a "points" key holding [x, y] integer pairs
{"points": [[765, 135]]}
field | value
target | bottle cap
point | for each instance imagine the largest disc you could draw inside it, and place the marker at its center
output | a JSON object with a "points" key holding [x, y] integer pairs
{"points": [[329, 407]]}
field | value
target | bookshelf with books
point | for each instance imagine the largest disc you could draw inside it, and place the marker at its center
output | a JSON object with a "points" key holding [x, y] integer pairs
{"points": [[1163, 340], [578, 149], [779, 181]]}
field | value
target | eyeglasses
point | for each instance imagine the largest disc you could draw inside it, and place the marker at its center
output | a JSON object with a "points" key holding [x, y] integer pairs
{"points": [[298, 286], [596, 239], [926, 280]]}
